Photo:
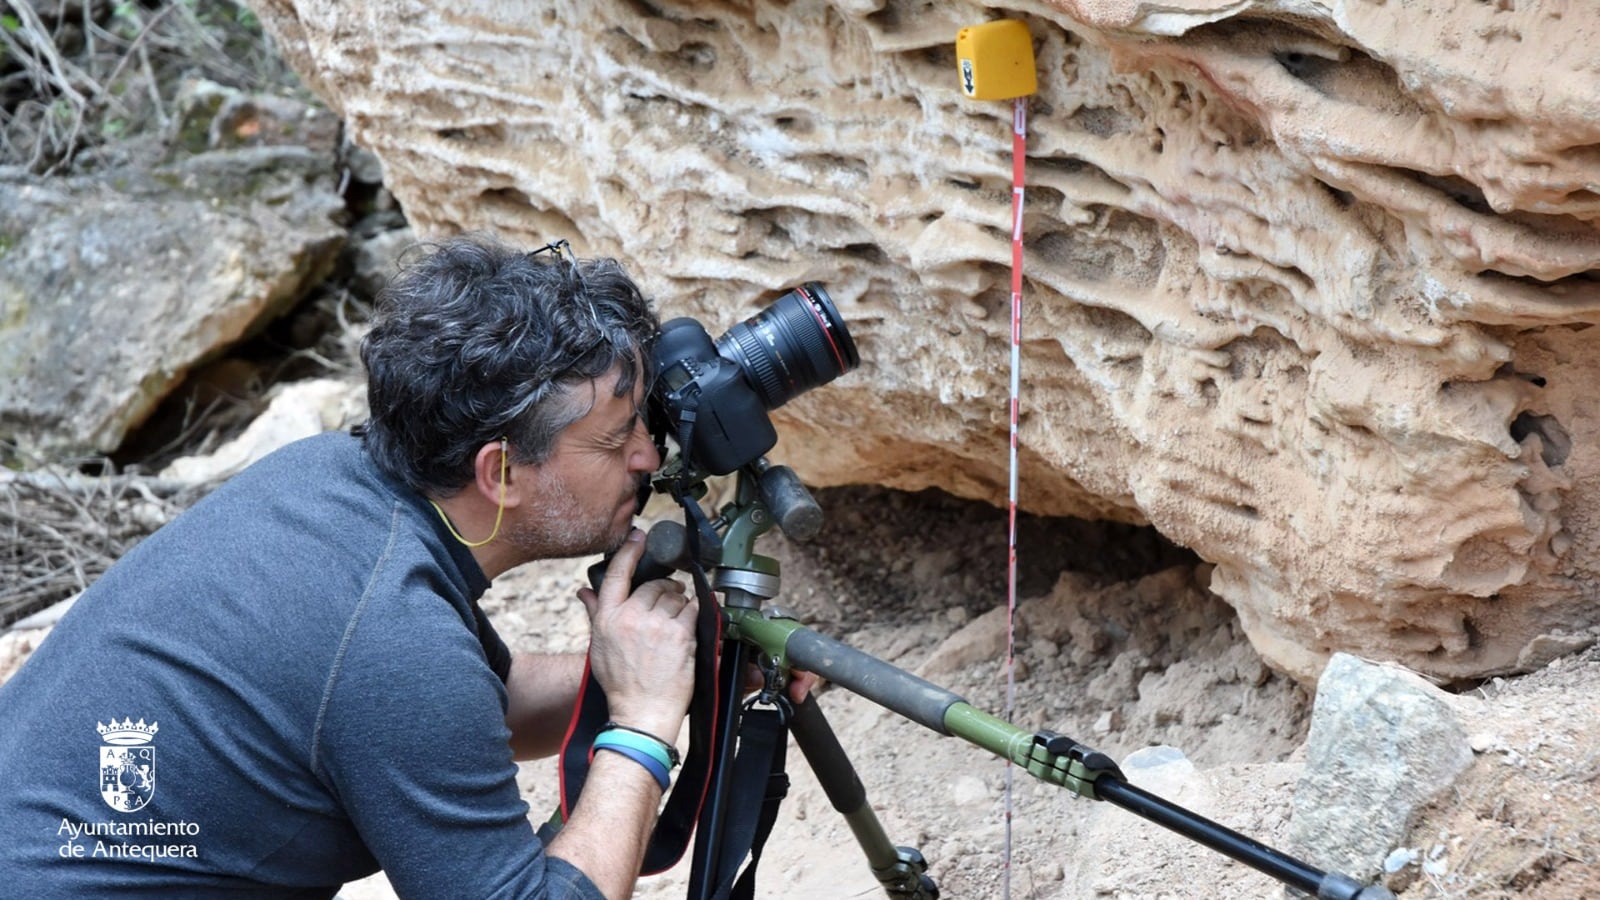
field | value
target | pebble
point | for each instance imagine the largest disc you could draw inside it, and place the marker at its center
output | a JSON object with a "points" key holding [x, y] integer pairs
{"points": [[1399, 858]]}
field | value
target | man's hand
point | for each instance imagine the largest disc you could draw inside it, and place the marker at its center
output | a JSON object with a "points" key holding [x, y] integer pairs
{"points": [[641, 648]]}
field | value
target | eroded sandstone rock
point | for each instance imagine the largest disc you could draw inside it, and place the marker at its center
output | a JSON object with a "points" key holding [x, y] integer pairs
{"points": [[1310, 284]]}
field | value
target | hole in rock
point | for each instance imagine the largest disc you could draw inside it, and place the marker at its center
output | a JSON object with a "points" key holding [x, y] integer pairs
{"points": [[883, 551], [1555, 442], [1461, 192]]}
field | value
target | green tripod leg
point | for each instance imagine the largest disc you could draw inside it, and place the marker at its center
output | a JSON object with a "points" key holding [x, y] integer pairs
{"points": [[1050, 757], [792, 645]]}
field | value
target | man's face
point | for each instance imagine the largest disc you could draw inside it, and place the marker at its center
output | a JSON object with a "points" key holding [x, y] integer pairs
{"points": [[586, 493]]}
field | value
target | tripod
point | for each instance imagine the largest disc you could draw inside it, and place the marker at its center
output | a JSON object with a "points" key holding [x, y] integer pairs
{"points": [[772, 496]]}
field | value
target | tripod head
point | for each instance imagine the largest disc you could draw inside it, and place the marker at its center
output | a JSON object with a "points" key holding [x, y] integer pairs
{"points": [[765, 496], [722, 544]]}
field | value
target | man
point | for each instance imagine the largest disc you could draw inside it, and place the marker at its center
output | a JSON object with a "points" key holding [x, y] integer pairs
{"points": [[292, 684]]}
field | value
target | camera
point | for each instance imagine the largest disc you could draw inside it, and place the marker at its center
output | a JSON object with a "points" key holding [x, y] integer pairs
{"points": [[712, 397]]}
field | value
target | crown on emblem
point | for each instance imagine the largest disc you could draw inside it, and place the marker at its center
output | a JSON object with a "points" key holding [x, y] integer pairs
{"points": [[127, 731]]}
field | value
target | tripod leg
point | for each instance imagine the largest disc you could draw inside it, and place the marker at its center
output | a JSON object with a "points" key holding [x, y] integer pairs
{"points": [[708, 862], [901, 870]]}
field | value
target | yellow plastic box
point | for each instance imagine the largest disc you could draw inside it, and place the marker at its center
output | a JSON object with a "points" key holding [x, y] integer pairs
{"points": [[995, 60]]}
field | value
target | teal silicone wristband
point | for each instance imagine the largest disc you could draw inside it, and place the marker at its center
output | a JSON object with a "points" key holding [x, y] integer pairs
{"points": [[616, 737], [672, 752]]}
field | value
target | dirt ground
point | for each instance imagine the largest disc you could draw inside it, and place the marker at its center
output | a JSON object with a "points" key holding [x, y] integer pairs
{"points": [[1119, 645]]}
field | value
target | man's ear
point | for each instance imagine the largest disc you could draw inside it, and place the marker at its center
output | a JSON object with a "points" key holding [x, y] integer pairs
{"points": [[490, 467]]}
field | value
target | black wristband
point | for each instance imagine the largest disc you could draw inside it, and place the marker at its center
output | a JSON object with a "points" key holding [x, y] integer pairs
{"points": [[672, 752]]}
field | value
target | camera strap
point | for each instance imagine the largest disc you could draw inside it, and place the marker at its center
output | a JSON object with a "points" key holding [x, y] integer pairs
{"points": [[758, 774]]}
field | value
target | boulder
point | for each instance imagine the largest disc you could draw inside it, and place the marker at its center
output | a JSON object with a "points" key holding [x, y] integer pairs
{"points": [[1384, 743], [114, 286], [295, 410], [1309, 286]]}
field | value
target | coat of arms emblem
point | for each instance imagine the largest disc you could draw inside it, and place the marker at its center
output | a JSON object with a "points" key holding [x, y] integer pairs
{"points": [[127, 764]]}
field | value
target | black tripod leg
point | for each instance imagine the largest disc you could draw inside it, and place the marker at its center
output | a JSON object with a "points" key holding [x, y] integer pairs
{"points": [[707, 861], [901, 870]]}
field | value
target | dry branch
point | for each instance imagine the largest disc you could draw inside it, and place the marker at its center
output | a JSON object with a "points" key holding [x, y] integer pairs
{"points": [[73, 85], [59, 530]]}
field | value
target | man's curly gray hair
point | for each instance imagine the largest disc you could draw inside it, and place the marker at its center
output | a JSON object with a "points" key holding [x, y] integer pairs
{"points": [[474, 341]]}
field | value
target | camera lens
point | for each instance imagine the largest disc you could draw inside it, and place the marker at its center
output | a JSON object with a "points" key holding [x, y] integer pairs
{"points": [[797, 343]]}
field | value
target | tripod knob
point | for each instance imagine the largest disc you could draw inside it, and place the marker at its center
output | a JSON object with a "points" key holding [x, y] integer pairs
{"points": [[647, 570], [666, 550], [791, 504]]}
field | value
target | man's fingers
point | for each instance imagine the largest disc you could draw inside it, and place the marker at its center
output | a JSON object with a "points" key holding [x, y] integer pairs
{"points": [[802, 683], [663, 593], [674, 602], [619, 573], [667, 594]]}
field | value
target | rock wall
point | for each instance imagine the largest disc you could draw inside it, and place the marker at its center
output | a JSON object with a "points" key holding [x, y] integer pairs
{"points": [[1309, 283]]}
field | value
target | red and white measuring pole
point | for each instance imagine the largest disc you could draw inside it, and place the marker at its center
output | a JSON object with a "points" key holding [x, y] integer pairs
{"points": [[995, 61], [1019, 140]]}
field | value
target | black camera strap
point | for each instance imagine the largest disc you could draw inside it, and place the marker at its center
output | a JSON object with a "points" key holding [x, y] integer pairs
{"points": [[758, 775], [676, 824]]}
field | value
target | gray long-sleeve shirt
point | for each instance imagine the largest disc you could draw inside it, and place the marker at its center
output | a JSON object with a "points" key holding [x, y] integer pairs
{"points": [[285, 689]]}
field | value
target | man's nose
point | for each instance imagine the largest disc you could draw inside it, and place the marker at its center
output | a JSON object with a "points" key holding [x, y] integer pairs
{"points": [[648, 458]]}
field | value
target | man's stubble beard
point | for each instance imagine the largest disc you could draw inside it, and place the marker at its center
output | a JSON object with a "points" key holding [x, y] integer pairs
{"points": [[559, 529]]}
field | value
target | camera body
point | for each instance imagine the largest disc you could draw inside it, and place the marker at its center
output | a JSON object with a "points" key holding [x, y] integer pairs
{"points": [[729, 425], [712, 397]]}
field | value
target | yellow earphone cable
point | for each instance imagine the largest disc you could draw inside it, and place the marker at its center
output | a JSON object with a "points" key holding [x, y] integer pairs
{"points": [[499, 514]]}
